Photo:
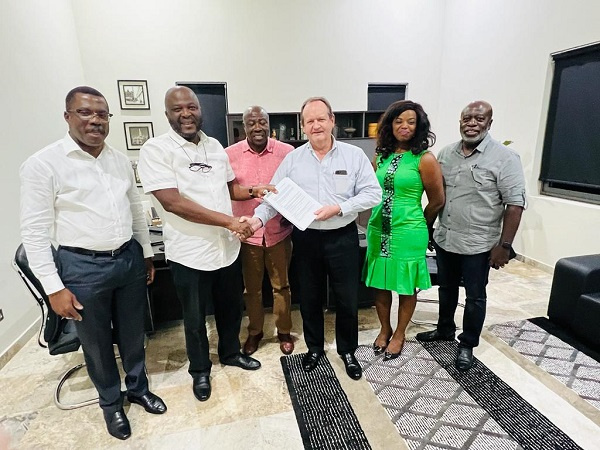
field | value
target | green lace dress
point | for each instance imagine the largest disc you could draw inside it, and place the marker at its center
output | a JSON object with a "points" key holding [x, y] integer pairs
{"points": [[397, 233]]}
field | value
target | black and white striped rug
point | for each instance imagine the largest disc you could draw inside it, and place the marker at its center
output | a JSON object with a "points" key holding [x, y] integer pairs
{"points": [[324, 414], [559, 354], [434, 406]]}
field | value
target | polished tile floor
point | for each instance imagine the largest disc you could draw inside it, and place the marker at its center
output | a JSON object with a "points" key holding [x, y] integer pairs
{"points": [[253, 409]]}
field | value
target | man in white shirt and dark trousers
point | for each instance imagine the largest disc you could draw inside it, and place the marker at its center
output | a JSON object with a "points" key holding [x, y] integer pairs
{"points": [[190, 175], [340, 177], [85, 192]]}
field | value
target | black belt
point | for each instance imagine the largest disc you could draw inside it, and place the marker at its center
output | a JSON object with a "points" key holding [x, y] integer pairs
{"points": [[333, 230], [85, 251]]}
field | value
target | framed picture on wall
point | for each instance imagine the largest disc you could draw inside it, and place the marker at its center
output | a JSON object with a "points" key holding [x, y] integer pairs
{"points": [[136, 133], [133, 94]]}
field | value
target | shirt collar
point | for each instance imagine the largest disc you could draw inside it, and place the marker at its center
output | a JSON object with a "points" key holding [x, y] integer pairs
{"points": [[480, 147], [182, 141], [70, 146], [269, 148], [333, 145]]}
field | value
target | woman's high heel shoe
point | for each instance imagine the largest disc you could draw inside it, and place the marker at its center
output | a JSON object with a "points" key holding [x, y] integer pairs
{"points": [[387, 356], [378, 350]]}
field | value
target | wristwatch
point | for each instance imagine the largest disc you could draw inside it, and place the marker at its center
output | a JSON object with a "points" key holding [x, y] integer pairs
{"points": [[506, 245], [251, 191]]}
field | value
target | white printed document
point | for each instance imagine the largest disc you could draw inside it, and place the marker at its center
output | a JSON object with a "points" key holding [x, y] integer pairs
{"points": [[293, 203]]}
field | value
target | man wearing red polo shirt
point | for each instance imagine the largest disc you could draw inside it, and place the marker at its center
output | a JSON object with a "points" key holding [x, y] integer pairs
{"points": [[254, 161]]}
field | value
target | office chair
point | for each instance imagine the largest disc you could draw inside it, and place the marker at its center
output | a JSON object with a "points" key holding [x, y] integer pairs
{"points": [[60, 335]]}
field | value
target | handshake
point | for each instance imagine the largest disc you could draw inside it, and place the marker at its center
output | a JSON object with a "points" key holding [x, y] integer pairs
{"points": [[244, 227]]}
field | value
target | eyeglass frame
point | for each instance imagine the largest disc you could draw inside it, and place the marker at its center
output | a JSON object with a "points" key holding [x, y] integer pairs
{"points": [[199, 167], [78, 113]]}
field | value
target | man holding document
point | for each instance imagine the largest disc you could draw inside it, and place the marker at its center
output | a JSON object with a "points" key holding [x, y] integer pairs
{"points": [[322, 186]]}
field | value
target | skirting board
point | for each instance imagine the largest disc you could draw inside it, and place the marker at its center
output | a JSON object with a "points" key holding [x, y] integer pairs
{"points": [[535, 263], [20, 342]]}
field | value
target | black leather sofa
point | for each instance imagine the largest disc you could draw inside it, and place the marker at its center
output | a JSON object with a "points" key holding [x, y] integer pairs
{"points": [[575, 298]]}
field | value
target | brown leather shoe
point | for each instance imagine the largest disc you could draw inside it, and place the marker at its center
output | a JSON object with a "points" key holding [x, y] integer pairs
{"points": [[286, 343], [251, 344]]}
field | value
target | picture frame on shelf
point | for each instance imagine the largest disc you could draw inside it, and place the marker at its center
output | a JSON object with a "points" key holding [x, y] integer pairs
{"points": [[136, 133], [133, 94]]}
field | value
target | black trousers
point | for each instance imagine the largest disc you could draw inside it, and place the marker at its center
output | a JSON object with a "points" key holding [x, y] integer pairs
{"points": [[195, 289], [474, 271], [335, 254], [112, 291]]}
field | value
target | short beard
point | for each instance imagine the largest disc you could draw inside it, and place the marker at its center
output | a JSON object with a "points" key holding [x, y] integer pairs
{"points": [[187, 136], [476, 139]]}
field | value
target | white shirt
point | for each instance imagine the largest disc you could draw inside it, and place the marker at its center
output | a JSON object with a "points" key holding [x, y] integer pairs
{"points": [[164, 164], [344, 176], [76, 200]]}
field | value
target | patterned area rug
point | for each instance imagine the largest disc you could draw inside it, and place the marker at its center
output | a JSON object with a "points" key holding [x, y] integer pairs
{"points": [[436, 407], [324, 414], [571, 366]]}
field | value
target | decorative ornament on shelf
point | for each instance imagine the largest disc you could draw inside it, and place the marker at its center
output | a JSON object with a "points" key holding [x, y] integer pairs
{"points": [[350, 131]]}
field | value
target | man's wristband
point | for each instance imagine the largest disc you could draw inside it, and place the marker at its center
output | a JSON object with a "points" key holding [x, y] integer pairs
{"points": [[506, 245]]}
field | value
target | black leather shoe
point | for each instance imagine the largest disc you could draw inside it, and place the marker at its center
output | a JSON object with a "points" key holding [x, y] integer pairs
{"points": [[201, 387], [117, 424], [353, 369], [242, 361], [152, 403], [434, 335], [311, 360], [464, 358]]}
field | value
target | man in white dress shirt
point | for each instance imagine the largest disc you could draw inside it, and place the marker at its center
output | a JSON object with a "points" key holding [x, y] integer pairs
{"points": [[340, 177], [81, 193], [190, 175]]}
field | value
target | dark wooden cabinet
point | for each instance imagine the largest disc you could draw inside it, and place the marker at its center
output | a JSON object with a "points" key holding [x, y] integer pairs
{"points": [[286, 127]]}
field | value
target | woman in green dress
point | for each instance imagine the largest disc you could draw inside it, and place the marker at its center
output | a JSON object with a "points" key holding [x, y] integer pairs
{"points": [[397, 234]]}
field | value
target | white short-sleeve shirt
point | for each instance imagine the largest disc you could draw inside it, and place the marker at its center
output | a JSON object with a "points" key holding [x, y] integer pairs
{"points": [[165, 163]]}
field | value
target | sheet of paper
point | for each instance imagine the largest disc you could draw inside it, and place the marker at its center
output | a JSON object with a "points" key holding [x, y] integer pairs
{"points": [[293, 203]]}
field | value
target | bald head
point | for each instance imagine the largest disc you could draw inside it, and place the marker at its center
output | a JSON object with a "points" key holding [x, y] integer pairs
{"points": [[475, 122], [178, 91], [183, 112], [256, 126], [480, 106], [256, 110]]}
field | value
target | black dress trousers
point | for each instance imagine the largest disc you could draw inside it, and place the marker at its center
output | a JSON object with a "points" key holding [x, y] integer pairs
{"points": [[333, 254], [112, 290], [195, 289]]}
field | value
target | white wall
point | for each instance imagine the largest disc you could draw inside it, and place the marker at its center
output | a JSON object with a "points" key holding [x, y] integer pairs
{"points": [[40, 64], [499, 50], [275, 53]]}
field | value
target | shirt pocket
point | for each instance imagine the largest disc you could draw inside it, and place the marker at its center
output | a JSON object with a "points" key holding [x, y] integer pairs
{"points": [[341, 183], [483, 178]]}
